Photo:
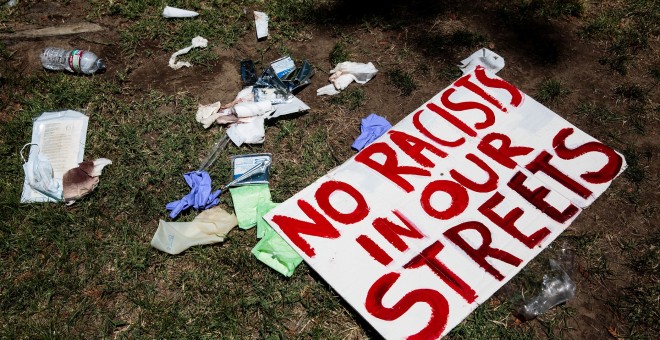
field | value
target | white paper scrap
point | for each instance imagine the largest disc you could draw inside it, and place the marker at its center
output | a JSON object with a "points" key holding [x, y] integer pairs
{"points": [[261, 22], [196, 42], [173, 12]]}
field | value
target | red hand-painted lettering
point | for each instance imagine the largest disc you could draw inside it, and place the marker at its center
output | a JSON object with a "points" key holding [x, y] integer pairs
{"points": [[434, 299], [390, 168], [293, 228], [489, 185], [606, 173], [414, 147], [508, 222], [480, 253], [459, 199], [323, 194], [428, 257]]}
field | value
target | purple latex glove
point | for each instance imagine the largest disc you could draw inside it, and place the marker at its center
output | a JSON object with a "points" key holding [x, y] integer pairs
{"points": [[200, 196], [371, 128]]}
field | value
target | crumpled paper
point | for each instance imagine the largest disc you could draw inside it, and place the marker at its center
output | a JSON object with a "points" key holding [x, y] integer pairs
{"points": [[196, 42], [210, 226], [80, 181], [483, 57], [371, 128], [344, 74]]}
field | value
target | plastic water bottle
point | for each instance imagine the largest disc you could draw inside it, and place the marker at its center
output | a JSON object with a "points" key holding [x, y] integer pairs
{"points": [[80, 61]]}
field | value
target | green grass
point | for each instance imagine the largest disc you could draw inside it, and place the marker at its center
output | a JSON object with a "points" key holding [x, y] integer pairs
{"points": [[87, 270], [351, 98], [338, 54], [627, 28], [402, 81], [550, 91]]}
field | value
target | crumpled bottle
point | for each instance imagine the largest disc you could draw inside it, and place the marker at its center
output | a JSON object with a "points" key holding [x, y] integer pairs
{"points": [[556, 288], [79, 61]]}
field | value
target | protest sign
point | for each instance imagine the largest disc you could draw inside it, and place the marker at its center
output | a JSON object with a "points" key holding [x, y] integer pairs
{"points": [[426, 223]]}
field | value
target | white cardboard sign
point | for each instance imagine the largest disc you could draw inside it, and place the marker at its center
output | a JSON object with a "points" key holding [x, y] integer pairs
{"points": [[426, 223]]}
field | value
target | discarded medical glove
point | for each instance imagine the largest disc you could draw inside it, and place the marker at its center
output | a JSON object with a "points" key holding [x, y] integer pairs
{"points": [[277, 254], [345, 73], [196, 42], [483, 57], [210, 226], [371, 128], [200, 196], [246, 198], [83, 179], [39, 176], [262, 226]]}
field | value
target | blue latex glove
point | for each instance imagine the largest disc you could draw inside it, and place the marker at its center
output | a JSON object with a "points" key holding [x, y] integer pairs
{"points": [[200, 196], [371, 128]]}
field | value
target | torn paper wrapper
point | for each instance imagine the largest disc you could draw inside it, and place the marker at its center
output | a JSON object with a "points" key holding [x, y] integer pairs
{"points": [[261, 23], [173, 12], [60, 137], [490, 60], [196, 42], [296, 105]]}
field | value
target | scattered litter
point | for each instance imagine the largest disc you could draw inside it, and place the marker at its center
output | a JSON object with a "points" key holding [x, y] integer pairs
{"points": [[215, 151], [39, 174], [57, 145], [83, 179], [262, 226], [200, 196], [83, 27], [371, 128], [173, 12], [12, 3], [275, 252], [196, 42], [210, 226], [557, 288], [80, 61], [261, 22], [490, 60], [252, 131], [246, 198], [251, 169], [248, 73], [249, 187], [296, 105], [345, 73], [271, 96]]}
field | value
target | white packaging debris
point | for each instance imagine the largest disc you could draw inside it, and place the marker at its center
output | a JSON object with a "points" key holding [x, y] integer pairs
{"points": [[261, 22], [345, 73], [173, 12], [196, 42], [490, 60]]}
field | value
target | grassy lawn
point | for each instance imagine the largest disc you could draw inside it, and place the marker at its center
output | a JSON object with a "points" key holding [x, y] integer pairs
{"points": [[88, 270]]}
